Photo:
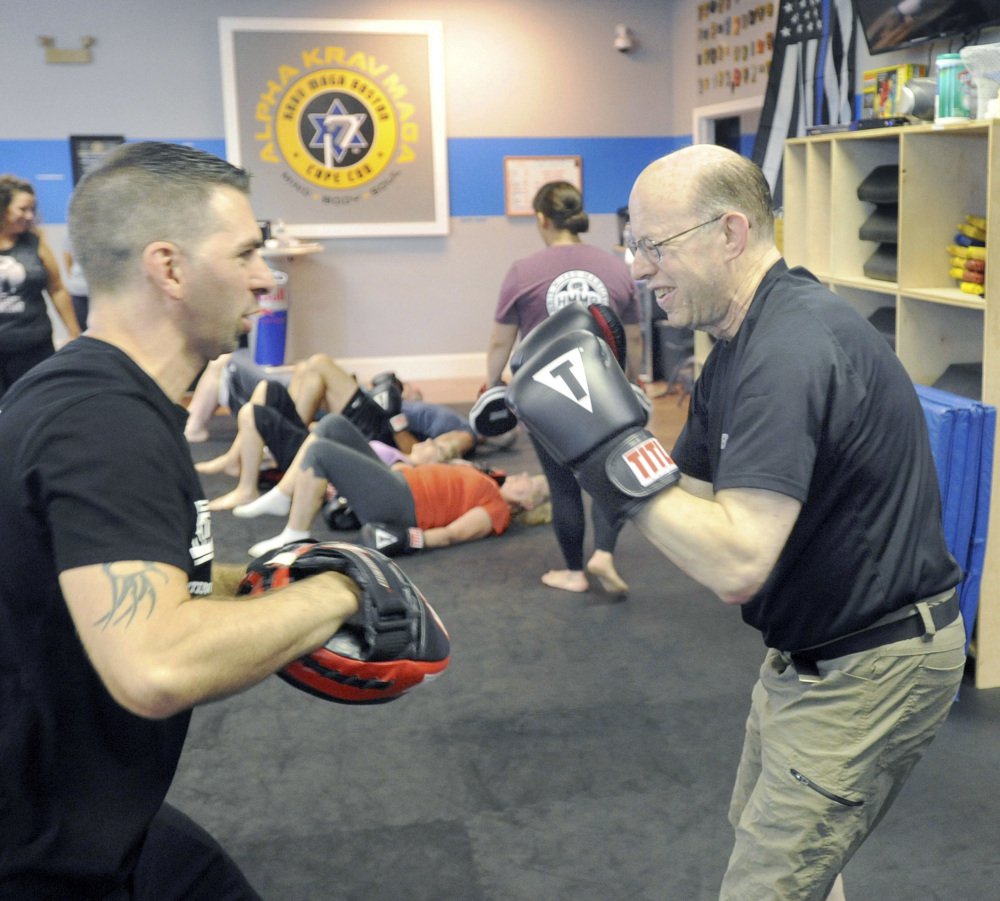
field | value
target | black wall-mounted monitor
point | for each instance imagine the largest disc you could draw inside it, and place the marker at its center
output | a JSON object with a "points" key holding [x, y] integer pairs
{"points": [[898, 24]]}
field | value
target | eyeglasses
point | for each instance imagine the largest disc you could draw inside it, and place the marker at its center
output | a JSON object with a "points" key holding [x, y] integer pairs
{"points": [[651, 249]]}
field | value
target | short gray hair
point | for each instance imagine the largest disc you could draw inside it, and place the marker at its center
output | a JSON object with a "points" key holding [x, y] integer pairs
{"points": [[140, 193], [732, 182]]}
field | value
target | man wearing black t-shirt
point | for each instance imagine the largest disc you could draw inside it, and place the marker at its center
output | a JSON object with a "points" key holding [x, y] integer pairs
{"points": [[806, 494], [111, 625]]}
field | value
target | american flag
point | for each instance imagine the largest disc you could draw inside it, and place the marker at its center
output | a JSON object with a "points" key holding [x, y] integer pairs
{"points": [[811, 80]]}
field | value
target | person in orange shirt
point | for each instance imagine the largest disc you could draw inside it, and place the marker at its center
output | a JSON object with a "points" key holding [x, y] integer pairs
{"points": [[402, 508]]}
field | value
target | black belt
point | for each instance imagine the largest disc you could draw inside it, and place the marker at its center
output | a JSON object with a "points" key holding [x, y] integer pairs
{"points": [[912, 626]]}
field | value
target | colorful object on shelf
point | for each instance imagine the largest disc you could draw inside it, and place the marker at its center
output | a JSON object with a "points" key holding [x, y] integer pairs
{"points": [[951, 105], [967, 263], [973, 232], [965, 252], [882, 89]]}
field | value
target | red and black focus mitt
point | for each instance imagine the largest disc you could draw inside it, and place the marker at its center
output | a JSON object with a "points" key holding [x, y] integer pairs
{"points": [[394, 642]]}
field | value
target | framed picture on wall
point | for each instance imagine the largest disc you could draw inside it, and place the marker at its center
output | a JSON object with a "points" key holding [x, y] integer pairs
{"points": [[524, 175], [86, 151], [340, 122]]}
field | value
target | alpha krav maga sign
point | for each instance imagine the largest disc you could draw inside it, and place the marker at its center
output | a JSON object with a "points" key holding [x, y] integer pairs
{"points": [[340, 122]]}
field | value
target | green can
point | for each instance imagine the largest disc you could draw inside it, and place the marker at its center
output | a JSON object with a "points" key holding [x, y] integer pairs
{"points": [[951, 103]]}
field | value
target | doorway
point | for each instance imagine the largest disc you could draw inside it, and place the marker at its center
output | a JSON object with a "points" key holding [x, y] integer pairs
{"points": [[732, 124]]}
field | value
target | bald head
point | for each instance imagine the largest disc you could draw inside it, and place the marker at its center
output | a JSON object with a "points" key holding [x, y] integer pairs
{"points": [[702, 181], [703, 228]]}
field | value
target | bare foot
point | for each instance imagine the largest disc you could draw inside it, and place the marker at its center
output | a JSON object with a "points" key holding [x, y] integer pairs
{"points": [[221, 464], [232, 499], [566, 579], [602, 566]]}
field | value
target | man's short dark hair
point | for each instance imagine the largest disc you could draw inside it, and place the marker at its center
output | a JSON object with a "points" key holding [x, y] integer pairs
{"points": [[140, 193]]}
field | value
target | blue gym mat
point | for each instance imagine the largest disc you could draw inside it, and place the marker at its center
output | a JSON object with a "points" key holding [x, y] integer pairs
{"points": [[962, 434]]}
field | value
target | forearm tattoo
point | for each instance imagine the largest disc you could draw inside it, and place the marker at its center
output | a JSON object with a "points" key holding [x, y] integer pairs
{"points": [[131, 589]]}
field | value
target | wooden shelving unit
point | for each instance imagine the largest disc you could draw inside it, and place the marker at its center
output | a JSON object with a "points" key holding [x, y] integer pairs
{"points": [[945, 173]]}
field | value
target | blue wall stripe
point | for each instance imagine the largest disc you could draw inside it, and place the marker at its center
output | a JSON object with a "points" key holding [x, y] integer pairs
{"points": [[475, 168], [47, 165], [610, 165]]}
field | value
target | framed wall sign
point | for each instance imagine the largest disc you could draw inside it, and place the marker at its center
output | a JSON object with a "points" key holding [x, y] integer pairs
{"points": [[524, 175], [340, 122], [86, 151]]}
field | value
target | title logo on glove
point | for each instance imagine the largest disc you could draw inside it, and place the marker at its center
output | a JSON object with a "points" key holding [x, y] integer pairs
{"points": [[566, 375], [649, 462]]}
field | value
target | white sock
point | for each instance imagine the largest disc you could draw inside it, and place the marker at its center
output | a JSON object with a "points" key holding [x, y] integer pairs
{"points": [[272, 544], [275, 502]]}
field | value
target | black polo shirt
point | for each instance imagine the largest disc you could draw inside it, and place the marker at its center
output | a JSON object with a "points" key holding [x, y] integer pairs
{"points": [[809, 400]]}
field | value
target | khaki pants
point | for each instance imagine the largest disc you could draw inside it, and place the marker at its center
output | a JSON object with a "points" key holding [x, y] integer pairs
{"points": [[823, 760]]}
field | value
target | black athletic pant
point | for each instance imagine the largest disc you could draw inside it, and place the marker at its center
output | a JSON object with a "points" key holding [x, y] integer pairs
{"points": [[180, 861], [568, 520], [278, 422], [343, 456]]}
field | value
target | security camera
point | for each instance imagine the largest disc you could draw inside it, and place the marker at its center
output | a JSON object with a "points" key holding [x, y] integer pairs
{"points": [[624, 41]]}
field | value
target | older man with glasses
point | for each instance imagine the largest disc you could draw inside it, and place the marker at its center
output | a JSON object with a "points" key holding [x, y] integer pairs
{"points": [[804, 492]]}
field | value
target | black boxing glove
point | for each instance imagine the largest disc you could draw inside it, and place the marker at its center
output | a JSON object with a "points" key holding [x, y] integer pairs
{"points": [[339, 516], [597, 318], [392, 540], [574, 398], [644, 401], [393, 643], [387, 392]]}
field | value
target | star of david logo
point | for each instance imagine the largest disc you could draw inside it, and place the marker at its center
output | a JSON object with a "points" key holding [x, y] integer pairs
{"points": [[337, 132]]}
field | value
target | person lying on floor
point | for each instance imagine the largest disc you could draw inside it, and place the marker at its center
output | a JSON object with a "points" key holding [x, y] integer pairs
{"points": [[401, 509], [320, 385], [433, 433], [229, 380], [225, 382]]}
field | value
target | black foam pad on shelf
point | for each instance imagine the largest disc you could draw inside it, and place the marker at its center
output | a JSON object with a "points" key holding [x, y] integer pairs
{"points": [[881, 265], [881, 185], [882, 226], [884, 320], [965, 379]]}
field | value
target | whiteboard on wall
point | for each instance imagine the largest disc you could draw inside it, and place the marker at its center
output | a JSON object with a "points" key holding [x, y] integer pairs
{"points": [[524, 175]]}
